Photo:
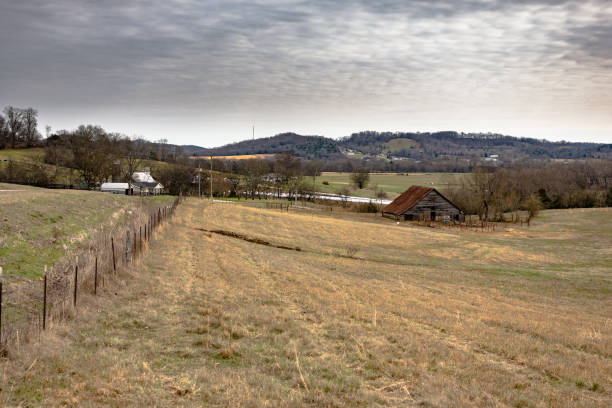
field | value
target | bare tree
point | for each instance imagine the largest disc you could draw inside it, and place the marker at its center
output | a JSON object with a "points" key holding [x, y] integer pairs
{"points": [[533, 205], [3, 132], [255, 170], [343, 193], [130, 163], [360, 178], [30, 124], [313, 168], [14, 124]]}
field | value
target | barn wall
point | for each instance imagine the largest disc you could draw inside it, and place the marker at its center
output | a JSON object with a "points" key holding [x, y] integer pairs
{"points": [[433, 201]]}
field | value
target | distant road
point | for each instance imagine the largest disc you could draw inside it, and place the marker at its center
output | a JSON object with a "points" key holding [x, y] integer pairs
{"points": [[336, 197]]}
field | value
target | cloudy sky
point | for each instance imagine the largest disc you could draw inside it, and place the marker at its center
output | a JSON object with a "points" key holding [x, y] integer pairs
{"points": [[203, 72]]}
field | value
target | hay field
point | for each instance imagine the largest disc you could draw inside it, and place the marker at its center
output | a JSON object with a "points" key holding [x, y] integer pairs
{"points": [[237, 157], [366, 313], [392, 183]]}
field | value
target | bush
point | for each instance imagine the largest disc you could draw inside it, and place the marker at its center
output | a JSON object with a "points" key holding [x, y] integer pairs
{"points": [[360, 178], [367, 208]]}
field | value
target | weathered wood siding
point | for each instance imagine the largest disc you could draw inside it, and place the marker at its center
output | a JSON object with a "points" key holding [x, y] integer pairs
{"points": [[432, 202]]}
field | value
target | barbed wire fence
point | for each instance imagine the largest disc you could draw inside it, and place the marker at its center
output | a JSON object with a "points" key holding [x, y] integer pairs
{"points": [[29, 307]]}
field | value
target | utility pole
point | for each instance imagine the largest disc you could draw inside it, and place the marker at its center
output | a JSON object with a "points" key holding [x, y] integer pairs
{"points": [[211, 178], [199, 180], [253, 132]]}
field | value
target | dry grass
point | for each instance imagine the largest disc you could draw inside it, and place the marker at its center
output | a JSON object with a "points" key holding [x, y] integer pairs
{"points": [[237, 157], [211, 320]]}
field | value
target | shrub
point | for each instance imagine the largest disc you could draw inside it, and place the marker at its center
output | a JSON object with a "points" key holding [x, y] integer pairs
{"points": [[367, 208]]}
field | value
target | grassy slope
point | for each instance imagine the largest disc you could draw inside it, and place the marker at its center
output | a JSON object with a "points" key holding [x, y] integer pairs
{"points": [[39, 226], [422, 317], [21, 154], [63, 175], [392, 183]]}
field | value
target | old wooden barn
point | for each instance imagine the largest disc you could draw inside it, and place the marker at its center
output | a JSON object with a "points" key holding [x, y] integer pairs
{"points": [[422, 203]]}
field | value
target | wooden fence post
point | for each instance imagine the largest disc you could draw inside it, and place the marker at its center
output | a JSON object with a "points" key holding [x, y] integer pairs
{"points": [[45, 301], [0, 305], [113, 248], [76, 282], [96, 277], [127, 246]]}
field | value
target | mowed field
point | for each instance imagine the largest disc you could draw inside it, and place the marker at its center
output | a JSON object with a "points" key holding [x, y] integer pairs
{"points": [[365, 313], [392, 183]]}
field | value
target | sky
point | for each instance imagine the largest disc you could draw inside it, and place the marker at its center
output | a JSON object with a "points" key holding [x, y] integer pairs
{"points": [[205, 72]]}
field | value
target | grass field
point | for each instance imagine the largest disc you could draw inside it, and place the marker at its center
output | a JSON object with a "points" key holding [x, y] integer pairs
{"points": [[35, 156], [236, 157], [21, 154], [392, 183], [38, 227], [366, 313]]}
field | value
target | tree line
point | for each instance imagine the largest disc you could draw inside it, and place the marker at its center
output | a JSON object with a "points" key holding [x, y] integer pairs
{"points": [[493, 193], [91, 154], [18, 127]]}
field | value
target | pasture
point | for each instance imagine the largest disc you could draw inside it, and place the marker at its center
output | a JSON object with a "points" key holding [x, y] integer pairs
{"points": [[39, 227], [392, 183], [242, 306]]}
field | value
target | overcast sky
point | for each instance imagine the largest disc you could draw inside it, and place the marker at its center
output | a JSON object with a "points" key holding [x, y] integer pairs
{"points": [[203, 72]]}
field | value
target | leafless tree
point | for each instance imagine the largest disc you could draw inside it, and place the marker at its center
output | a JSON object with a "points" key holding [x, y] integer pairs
{"points": [[14, 124], [30, 123], [343, 193], [360, 178]]}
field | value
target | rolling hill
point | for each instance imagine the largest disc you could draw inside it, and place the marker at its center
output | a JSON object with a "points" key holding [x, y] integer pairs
{"points": [[447, 145], [308, 147]]}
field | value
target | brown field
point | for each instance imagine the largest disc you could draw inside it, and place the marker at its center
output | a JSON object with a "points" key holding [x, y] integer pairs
{"points": [[236, 157], [366, 313]]}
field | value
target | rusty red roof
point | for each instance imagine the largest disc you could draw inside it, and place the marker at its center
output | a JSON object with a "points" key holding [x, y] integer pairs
{"points": [[407, 200]]}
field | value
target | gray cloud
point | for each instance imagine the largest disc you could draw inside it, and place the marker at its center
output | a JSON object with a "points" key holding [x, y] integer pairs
{"points": [[322, 65]]}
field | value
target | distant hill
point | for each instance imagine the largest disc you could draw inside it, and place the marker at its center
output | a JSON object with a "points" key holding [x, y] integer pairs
{"points": [[449, 144], [412, 146], [308, 147]]}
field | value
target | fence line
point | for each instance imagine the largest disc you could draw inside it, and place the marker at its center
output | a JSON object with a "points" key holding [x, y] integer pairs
{"points": [[30, 308]]}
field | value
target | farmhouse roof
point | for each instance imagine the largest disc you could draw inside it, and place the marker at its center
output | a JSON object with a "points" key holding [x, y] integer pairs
{"points": [[114, 186], [143, 177], [407, 200], [146, 184]]}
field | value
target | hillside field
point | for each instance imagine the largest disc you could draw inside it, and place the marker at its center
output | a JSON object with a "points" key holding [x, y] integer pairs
{"points": [[240, 306], [392, 183], [38, 226]]}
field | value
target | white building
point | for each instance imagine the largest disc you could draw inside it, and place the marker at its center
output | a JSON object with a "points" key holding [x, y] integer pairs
{"points": [[142, 184], [115, 188]]}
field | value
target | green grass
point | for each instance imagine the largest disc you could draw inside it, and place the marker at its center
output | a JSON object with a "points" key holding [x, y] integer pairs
{"points": [[39, 227], [396, 145], [35, 156], [21, 154], [392, 183]]}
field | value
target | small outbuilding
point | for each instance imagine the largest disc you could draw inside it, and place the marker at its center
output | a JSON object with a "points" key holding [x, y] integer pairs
{"points": [[422, 203], [115, 188]]}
